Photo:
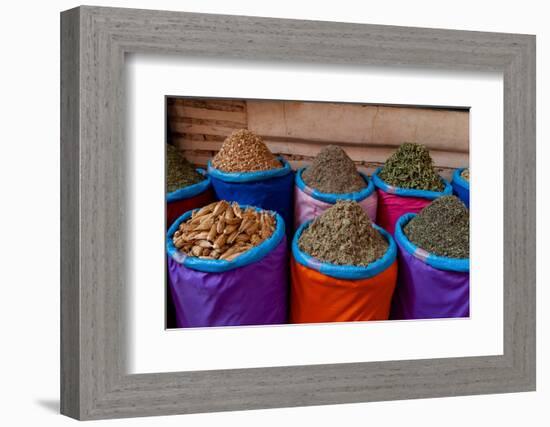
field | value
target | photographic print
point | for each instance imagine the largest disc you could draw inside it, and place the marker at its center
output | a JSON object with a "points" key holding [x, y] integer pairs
{"points": [[287, 212], [261, 213]]}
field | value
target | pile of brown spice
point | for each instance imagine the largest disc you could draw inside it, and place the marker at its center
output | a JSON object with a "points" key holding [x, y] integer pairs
{"points": [[179, 172], [442, 228], [465, 174], [332, 171], [343, 235], [223, 231], [244, 151]]}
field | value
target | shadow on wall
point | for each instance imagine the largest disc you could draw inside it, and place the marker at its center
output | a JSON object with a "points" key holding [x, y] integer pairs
{"points": [[51, 405]]}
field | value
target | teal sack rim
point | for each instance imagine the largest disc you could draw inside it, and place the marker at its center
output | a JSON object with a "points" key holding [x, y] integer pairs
{"points": [[219, 266], [407, 192], [348, 272], [190, 190], [334, 197], [458, 180], [250, 176], [460, 265]]}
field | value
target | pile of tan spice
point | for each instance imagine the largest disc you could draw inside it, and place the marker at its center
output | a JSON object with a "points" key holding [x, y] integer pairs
{"points": [[332, 171], [412, 167], [343, 235], [442, 228], [465, 174], [244, 151], [223, 231], [179, 172]]}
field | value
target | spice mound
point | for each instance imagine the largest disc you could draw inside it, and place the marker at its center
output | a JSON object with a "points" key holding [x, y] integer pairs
{"points": [[179, 172], [411, 167], [332, 171], [442, 228], [224, 231], [343, 235], [244, 151], [465, 174]]}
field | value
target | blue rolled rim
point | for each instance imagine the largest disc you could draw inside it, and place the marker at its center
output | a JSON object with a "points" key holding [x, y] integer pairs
{"points": [[349, 272], [250, 176], [190, 190], [458, 180], [461, 265], [408, 192], [215, 265], [334, 197]]}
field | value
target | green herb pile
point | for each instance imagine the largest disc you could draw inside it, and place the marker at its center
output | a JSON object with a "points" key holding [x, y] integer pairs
{"points": [[442, 228], [343, 235], [332, 171], [411, 167], [179, 172]]}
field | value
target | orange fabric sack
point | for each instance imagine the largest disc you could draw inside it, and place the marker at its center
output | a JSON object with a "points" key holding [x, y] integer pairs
{"points": [[322, 292]]}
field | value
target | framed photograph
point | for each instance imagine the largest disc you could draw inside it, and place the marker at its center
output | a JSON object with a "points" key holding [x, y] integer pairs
{"points": [[261, 213]]}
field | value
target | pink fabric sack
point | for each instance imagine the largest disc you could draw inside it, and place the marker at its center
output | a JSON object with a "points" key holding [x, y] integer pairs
{"points": [[310, 203], [394, 202]]}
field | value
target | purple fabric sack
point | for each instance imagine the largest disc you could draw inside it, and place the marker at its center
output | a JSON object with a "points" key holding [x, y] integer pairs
{"points": [[428, 286], [250, 290]]}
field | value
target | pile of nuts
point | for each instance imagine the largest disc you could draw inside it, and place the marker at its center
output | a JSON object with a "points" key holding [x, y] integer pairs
{"points": [[223, 231]]}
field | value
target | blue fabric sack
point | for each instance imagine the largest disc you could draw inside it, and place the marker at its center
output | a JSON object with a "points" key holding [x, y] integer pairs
{"points": [[461, 187], [270, 190], [191, 190]]}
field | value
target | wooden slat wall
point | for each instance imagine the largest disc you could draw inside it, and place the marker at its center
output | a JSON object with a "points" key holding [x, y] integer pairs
{"points": [[298, 130], [198, 127]]}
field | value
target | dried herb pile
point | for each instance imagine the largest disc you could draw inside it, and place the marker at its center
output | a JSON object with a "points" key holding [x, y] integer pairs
{"points": [[411, 167], [244, 151], [442, 228], [343, 235], [465, 174], [223, 231], [179, 172], [332, 171]]}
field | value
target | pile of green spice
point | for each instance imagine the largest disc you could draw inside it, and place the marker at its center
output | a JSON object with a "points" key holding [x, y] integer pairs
{"points": [[343, 235], [465, 174], [332, 171], [179, 172], [411, 167], [442, 228]]}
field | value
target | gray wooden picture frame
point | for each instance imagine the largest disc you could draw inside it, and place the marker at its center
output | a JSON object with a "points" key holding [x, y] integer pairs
{"points": [[94, 382]]}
